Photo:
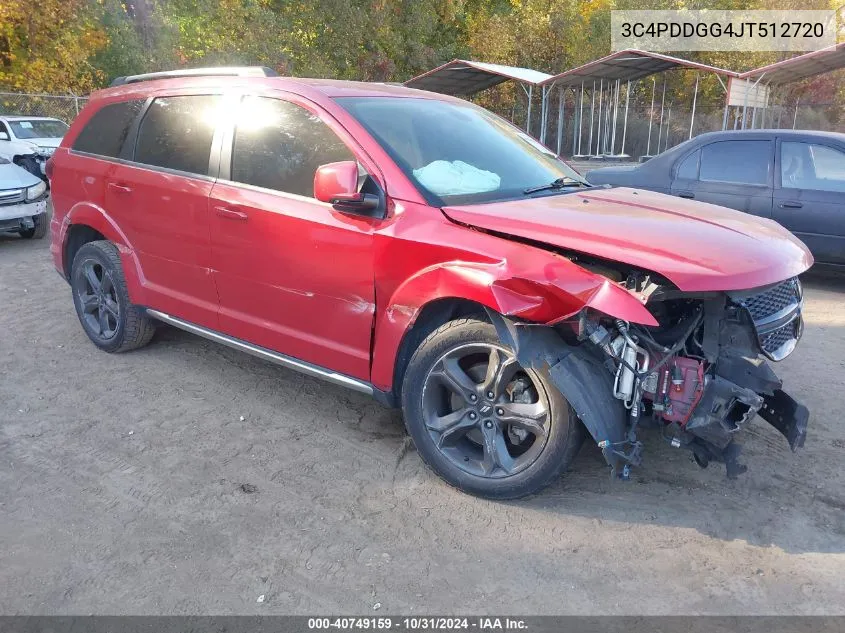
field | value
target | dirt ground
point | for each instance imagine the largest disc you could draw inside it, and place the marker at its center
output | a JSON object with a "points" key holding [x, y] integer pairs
{"points": [[187, 478]]}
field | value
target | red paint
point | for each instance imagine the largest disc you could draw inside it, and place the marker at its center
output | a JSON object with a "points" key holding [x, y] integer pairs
{"points": [[341, 290], [335, 179]]}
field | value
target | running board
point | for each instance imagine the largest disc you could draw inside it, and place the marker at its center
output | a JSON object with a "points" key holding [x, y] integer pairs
{"points": [[262, 352]]}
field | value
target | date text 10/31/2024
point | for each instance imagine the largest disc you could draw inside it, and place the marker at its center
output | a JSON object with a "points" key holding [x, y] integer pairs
{"points": [[417, 623]]}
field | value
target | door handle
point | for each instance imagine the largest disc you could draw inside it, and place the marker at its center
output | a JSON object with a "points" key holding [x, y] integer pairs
{"points": [[791, 205], [120, 188], [686, 194], [231, 214]]}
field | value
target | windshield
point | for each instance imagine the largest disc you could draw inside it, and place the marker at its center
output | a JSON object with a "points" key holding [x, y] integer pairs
{"points": [[38, 128], [458, 153]]}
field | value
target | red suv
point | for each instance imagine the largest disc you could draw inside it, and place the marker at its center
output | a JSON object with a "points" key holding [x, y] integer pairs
{"points": [[418, 248]]}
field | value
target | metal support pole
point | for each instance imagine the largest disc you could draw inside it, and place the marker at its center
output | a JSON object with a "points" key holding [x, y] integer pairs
{"points": [[766, 107], [625, 122], [694, 98], [598, 131], [615, 119], [542, 135], [581, 120], [592, 116], [668, 121], [651, 116], [560, 113], [795, 118], [660, 127], [528, 118], [576, 129]]}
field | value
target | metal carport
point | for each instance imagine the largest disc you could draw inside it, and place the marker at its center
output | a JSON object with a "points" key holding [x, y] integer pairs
{"points": [[609, 72], [793, 70], [464, 78]]}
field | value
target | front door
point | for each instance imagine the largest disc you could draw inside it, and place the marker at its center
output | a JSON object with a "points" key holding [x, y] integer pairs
{"points": [[734, 174], [293, 274], [809, 197]]}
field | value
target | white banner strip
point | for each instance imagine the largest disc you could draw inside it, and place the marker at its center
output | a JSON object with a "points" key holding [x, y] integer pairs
{"points": [[706, 30]]}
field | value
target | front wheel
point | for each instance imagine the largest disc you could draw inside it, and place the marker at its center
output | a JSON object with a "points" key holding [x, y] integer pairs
{"points": [[481, 421]]}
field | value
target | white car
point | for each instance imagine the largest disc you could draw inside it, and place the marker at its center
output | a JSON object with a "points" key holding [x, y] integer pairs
{"points": [[23, 201], [29, 141]]}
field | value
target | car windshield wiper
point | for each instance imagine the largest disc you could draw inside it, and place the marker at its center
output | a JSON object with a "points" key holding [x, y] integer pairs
{"points": [[559, 183]]}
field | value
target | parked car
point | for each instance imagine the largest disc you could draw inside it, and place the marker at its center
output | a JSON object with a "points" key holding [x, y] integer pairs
{"points": [[23, 201], [28, 141], [417, 248], [794, 177]]}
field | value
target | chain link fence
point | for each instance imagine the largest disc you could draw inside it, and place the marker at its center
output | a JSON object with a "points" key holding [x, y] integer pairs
{"points": [[64, 107]]}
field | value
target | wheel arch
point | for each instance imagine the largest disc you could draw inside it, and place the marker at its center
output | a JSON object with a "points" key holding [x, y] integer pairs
{"points": [[86, 223], [449, 290]]}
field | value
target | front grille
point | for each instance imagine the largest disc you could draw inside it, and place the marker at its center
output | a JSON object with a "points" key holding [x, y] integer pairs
{"points": [[12, 196], [776, 315], [773, 300], [775, 342]]}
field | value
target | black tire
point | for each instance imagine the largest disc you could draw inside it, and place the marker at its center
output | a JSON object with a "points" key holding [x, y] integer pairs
{"points": [[39, 230], [463, 460], [109, 319]]}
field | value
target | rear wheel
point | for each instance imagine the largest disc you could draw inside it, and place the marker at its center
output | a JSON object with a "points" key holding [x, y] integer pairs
{"points": [[481, 421], [102, 303]]}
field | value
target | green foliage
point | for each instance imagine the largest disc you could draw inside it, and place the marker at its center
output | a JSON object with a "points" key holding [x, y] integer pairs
{"points": [[78, 45]]}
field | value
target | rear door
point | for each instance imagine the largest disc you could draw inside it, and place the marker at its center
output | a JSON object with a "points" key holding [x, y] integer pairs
{"points": [[159, 195], [734, 173], [809, 196], [294, 274]]}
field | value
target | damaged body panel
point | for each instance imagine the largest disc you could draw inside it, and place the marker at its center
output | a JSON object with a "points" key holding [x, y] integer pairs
{"points": [[701, 389]]}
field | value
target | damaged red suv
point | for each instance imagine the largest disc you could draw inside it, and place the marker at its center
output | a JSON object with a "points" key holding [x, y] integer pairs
{"points": [[417, 248]]}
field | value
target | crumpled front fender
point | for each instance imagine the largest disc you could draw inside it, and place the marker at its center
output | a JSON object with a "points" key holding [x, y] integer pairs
{"points": [[580, 376]]}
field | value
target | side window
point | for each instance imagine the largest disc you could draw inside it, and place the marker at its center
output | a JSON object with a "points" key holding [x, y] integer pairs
{"points": [[688, 169], [106, 131], [743, 162], [811, 166], [279, 145], [176, 133]]}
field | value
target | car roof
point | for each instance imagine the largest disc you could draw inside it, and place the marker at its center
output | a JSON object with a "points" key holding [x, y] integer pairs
{"points": [[765, 133], [300, 85], [23, 117]]}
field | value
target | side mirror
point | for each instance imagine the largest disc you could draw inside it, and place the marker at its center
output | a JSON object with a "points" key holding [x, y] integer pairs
{"points": [[337, 184], [4, 136]]}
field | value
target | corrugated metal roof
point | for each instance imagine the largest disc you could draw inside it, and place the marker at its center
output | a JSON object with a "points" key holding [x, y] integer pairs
{"points": [[461, 77], [802, 67], [629, 65]]}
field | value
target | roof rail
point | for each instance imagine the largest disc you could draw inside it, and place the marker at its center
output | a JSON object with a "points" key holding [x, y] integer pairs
{"points": [[220, 71]]}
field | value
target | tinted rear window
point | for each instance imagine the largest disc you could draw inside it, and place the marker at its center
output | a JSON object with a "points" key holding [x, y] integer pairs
{"points": [[743, 162], [106, 131], [176, 133]]}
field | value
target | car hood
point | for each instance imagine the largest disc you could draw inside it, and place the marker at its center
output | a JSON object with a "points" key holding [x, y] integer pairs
{"points": [[45, 142], [697, 246], [14, 177]]}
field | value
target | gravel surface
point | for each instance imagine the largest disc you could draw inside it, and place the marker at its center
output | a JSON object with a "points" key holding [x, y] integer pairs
{"points": [[187, 478]]}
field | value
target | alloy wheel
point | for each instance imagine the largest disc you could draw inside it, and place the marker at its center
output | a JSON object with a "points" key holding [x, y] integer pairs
{"points": [[98, 298], [484, 412]]}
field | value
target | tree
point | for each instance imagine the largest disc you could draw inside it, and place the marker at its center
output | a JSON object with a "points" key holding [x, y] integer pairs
{"points": [[48, 48]]}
